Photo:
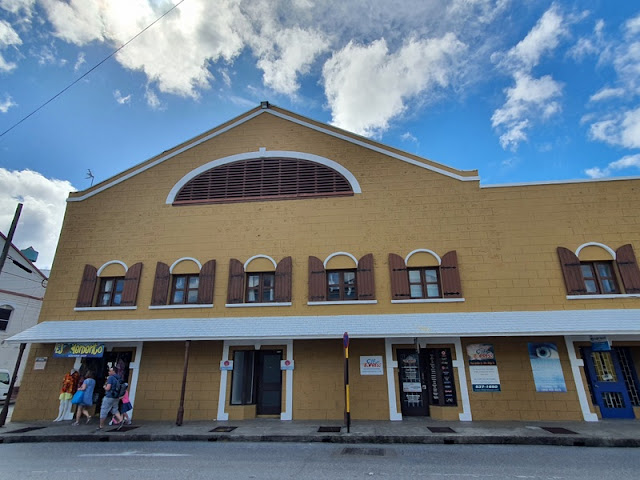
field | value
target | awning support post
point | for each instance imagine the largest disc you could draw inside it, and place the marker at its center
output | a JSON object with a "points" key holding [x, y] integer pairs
{"points": [[5, 409], [184, 383]]}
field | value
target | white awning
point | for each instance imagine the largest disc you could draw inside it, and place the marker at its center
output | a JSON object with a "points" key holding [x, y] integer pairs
{"points": [[482, 324]]}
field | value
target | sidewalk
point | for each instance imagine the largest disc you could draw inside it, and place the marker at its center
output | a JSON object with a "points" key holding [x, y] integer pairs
{"points": [[608, 433]]}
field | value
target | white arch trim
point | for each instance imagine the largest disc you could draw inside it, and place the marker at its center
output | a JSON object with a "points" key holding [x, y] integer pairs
{"points": [[337, 254], [100, 270], [355, 186], [185, 259], [275, 265], [596, 244], [423, 250]]}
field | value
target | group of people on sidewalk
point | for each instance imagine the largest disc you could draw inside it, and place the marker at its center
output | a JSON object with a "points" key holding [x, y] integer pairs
{"points": [[113, 402]]}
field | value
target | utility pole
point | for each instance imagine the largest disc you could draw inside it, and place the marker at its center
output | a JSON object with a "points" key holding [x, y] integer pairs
{"points": [[3, 258]]}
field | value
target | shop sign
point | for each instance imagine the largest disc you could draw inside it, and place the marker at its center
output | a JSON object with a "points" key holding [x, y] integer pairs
{"points": [[286, 365], [546, 367], [483, 367], [371, 365], [40, 363], [600, 344], [73, 350], [411, 387], [442, 390], [226, 365]]}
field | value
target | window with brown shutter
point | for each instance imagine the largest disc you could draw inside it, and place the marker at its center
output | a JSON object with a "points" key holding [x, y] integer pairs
{"points": [[283, 280], [235, 290], [433, 282], [161, 284], [131, 282], [87, 286], [317, 280], [628, 268], [206, 284], [263, 179], [571, 272], [365, 282]]}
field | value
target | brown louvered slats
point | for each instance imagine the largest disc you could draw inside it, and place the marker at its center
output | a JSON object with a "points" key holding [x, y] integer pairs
{"points": [[263, 179], [317, 280], [161, 284], [573, 278], [131, 281], [399, 278], [235, 289], [283, 280], [450, 275], [628, 268], [365, 278], [87, 286], [206, 282]]}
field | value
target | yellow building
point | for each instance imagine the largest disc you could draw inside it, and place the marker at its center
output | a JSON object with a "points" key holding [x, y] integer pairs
{"points": [[237, 261]]}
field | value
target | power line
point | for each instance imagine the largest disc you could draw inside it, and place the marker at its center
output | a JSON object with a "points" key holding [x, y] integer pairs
{"points": [[92, 69]]}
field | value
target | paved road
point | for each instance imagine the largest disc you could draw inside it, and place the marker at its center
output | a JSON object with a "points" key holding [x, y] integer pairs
{"points": [[199, 460]]}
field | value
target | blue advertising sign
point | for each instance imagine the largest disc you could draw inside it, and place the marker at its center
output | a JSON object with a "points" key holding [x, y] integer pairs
{"points": [[546, 367], [73, 350]]}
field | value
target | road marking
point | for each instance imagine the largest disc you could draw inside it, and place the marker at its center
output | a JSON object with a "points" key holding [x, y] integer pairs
{"points": [[134, 454]]}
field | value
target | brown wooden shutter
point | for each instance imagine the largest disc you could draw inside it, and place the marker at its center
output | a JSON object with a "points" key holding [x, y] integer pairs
{"points": [[399, 278], [571, 271], [628, 267], [283, 280], [87, 286], [161, 284], [235, 290], [206, 281], [131, 282], [364, 278], [317, 280], [450, 275]]}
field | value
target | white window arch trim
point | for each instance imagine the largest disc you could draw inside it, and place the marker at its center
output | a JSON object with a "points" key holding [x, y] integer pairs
{"points": [[246, 264], [185, 259], [262, 153], [340, 254], [112, 262], [596, 244], [423, 250]]}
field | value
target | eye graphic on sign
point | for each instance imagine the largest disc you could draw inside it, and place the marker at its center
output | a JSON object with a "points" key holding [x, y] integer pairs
{"points": [[543, 352]]}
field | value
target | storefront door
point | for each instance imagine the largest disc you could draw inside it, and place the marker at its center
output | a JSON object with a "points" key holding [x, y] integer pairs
{"points": [[607, 384], [268, 383], [413, 396]]}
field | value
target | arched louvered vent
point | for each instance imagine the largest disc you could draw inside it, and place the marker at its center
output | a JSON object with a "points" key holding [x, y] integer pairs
{"points": [[263, 179]]}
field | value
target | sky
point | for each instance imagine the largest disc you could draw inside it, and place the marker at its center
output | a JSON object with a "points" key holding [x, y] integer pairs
{"points": [[521, 90]]}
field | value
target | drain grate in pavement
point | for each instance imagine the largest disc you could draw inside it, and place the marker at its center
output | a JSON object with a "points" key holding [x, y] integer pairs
{"points": [[559, 430], [379, 452], [26, 429], [441, 430], [126, 428], [330, 429], [223, 429]]}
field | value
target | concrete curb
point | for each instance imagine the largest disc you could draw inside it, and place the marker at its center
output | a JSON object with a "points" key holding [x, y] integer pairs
{"points": [[568, 441]]}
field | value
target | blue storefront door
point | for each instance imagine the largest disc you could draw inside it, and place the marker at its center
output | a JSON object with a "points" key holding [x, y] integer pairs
{"points": [[607, 384]]}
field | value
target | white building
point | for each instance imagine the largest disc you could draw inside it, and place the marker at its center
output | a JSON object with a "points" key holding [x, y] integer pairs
{"points": [[22, 287]]}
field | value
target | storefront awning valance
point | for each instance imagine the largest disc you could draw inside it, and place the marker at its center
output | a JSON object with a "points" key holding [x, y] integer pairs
{"points": [[563, 322]]}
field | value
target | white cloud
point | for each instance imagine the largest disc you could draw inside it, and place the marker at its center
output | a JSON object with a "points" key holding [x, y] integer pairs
{"points": [[621, 129], [42, 214], [120, 99], [529, 98], [152, 99], [592, 45], [607, 93], [630, 161], [7, 103], [80, 61], [367, 86], [8, 37], [408, 137], [18, 6], [543, 38]]}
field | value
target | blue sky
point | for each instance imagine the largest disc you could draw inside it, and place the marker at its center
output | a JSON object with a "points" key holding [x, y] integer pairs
{"points": [[522, 90]]}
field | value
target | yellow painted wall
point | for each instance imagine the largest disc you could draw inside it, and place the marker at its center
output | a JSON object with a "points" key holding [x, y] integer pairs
{"points": [[506, 238], [518, 399]]}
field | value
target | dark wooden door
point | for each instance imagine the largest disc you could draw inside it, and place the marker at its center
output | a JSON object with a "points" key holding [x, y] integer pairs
{"points": [[269, 382], [413, 396]]}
